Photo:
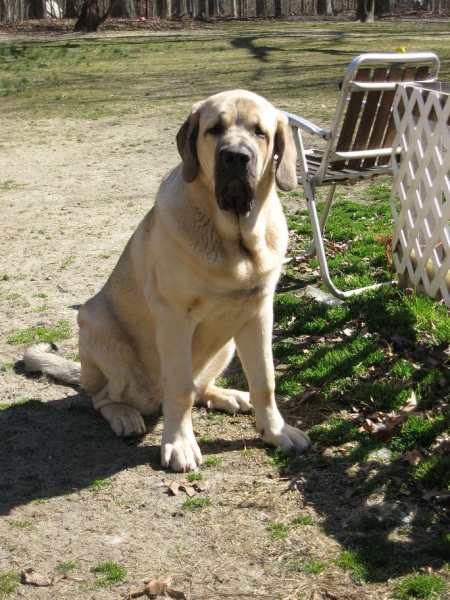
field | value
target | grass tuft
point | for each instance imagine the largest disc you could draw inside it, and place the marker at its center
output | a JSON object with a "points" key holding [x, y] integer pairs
{"points": [[39, 333], [424, 586], [196, 503], [8, 583], [109, 573]]}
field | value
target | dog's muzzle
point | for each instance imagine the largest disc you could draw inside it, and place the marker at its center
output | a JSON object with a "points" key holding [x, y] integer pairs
{"points": [[234, 179]]}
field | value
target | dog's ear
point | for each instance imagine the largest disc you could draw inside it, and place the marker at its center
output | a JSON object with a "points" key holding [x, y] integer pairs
{"points": [[286, 156], [187, 146]]}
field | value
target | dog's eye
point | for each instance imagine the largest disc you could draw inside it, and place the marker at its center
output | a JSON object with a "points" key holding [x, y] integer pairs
{"points": [[216, 130], [259, 132]]}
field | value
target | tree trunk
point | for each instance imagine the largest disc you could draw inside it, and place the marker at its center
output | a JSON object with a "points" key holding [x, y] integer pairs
{"points": [[90, 19], [124, 9], [260, 8], [71, 9], [324, 7], [365, 11], [214, 8], [36, 9]]}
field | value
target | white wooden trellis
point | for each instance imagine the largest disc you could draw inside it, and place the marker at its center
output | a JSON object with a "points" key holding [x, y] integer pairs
{"points": [[420, 197]]}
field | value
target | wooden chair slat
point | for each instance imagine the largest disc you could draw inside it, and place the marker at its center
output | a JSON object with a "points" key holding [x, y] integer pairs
{"points": [[410, 74], [367, 118], [351, 118]]}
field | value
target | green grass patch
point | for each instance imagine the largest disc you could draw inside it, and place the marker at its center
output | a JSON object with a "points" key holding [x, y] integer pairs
{"points": [[99, 485], [66, 566], [109, 573], [309, 565], [23, 525], [350, 561], [278, 530], [39, 333], [424, 586], [211, 461], [196, 503], [8, 583], [191, 477]]}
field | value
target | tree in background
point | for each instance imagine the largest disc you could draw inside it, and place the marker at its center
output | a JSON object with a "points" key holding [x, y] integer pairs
{"points": [[124, 9], [365, 10], [90, 19], [37, 9]]}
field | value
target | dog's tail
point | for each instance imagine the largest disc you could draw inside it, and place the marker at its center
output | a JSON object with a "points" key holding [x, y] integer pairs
{"points": [[39, 358]]}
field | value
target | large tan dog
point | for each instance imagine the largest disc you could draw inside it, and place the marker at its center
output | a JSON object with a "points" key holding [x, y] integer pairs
{"points": [[195, 281]]}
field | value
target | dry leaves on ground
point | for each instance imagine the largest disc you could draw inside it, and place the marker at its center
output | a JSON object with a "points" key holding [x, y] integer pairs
{"points": [[156, 588]]}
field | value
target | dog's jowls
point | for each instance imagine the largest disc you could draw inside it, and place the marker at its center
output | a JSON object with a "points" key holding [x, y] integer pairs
{"points": [[194, 283]]}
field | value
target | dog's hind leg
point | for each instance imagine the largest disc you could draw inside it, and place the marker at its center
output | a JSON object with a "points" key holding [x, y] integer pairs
{"points": [[217, 398], [123, 419]]}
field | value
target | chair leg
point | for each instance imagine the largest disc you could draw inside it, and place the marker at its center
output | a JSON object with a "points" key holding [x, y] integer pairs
{"points": [[311, 250], [317, 227]]}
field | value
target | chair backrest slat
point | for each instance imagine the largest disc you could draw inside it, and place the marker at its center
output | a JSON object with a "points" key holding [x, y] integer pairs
{"points": [[411, 74], [368, 121], [351, 117], [363, 138]]}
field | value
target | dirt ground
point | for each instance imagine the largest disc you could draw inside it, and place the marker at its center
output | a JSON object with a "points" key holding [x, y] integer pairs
{"points": [[71, 193]]}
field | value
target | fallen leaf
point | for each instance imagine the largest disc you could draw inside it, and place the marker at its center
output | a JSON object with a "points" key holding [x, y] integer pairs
{"points": [[442, 445], [383, 426], [153, 588], [30, 577], [414, 457], [427, 570], [411, 404], [189, 489], [175, 594], [173, 487], [200, 486], [298, 483]]}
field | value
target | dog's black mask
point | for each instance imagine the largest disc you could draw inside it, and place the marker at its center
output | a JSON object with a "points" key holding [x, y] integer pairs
{"points": [[235, 181]]}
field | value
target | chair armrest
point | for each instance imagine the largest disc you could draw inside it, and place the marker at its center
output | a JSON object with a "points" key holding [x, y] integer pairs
{"points": [[308, 126]]}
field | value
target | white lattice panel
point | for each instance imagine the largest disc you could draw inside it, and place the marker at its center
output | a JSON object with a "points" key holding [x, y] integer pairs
{"points": [[421, 192]]}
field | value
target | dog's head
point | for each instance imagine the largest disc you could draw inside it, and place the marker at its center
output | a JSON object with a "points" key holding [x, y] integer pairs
{"points": [[239, 142]]}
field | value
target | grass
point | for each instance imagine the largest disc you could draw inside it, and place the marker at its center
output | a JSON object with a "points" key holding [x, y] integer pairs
{"points": [[23, 525], [309, 565], [420, 586], [40, 333], [66, 566], [196, 503], [191, 477], [211, 461], [109, 573], [66, 75], [99, 485], [8, 583], [278, 530]]}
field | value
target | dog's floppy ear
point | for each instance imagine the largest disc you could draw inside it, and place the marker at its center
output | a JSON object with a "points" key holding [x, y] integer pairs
{"points": [[187, 146], [285, 175]]}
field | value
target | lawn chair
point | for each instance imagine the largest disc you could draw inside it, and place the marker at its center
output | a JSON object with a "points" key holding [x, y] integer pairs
{"points": [[358, 144]]}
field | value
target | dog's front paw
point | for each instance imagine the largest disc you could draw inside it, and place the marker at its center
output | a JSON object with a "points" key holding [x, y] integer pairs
{"points": [[288, 438], [123, 419], [182, 454]]}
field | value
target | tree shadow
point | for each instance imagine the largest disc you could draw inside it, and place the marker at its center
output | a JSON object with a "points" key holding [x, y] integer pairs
{"points": [[364, 496]]}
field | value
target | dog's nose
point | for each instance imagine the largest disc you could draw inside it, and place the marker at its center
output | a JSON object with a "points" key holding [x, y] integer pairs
{"points": [[235, 157]]}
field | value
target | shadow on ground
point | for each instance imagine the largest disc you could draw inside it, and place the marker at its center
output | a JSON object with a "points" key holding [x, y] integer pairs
{"points": [[58, 447]]}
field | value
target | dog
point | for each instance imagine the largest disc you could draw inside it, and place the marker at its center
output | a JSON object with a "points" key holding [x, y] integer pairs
{"points": [[194, 284]]}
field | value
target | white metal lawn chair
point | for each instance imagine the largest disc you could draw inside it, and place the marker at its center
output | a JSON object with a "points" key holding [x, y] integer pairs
{"points": [[358, 144]]}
